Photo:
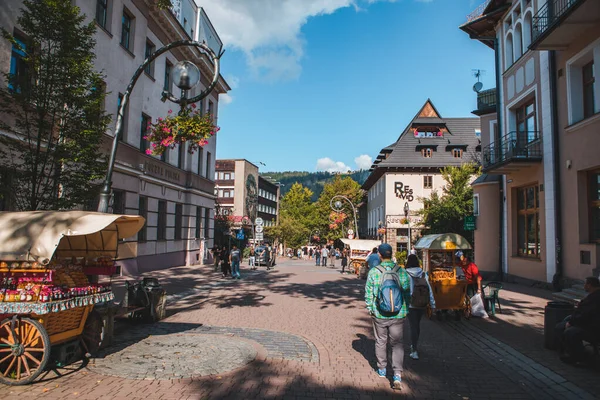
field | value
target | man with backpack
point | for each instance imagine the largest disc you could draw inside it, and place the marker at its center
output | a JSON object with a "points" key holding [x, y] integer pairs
{"points": [[421, 296], [386, 296]]}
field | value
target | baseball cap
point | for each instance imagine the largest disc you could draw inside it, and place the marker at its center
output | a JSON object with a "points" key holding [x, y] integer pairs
{"points": [[458, 254], [385, 250]]}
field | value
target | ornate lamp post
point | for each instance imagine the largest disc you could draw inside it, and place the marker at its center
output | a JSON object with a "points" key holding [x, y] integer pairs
{"points": [[312, 235], [185, 75], [380, 231], [337, 207], [406, 211]]}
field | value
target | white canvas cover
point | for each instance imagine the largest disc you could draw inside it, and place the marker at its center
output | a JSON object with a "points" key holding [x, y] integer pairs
{"points": [[38, 235], [443, 241], [361, 244]]}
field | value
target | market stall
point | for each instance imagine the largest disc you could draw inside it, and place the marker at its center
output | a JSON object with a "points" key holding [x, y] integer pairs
{"points": [[46, 297], [359, 249], [441, 263]]}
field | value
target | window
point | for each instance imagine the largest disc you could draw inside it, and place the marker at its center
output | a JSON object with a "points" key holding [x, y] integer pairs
{"points": [[528, 222], [198, 222], [526, 132], [227, 176], [208, 161], [161, 233], [476, 204], [167, 82], [145, 122], [221, 193], [125, 117], [118, 199], [178, 221], [428, 182], [508, 56], [200, 156], [210, 108], [127, 30], [206, 222], [201, 107], [180, 155], [233, 175], [102, 13], [427, 153], [594, 203], [226, 193], [457, 153], [150, 48], [589, 102], [143, 212], [18, 67]]}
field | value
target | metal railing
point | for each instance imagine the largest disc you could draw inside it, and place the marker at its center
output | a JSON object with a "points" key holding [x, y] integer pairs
{"points": [[514, 146], [486, 99], [548, 14], [478, 12]]}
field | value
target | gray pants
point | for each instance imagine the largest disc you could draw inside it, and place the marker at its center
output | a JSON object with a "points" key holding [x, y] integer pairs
{"points": [[391, 330], [414, 318]]}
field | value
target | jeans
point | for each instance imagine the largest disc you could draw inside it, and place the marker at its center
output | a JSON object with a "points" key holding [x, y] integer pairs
{"points": [[317, 260], [324, 261], [251, 261], [391, 330], [235, 268], [414, 318]]}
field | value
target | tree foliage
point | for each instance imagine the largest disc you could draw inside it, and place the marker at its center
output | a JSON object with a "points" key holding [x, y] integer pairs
{"points": [[333, 224], [296, 213], [446, 212], [53, 110]]}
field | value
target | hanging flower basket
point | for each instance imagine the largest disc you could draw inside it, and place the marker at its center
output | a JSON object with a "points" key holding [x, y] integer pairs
{"points": [[381, 231], [188, 126]]}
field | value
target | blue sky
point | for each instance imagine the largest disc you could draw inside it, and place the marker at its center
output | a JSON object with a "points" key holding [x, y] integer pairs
{"points": [[320, 83]]}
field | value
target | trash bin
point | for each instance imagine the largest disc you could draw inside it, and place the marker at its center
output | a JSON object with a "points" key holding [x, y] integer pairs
{"points": [[554, 312], [157, 297]]}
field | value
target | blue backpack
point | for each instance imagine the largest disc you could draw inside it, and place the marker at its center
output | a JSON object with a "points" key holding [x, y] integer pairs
{"points": [[389, 299]]}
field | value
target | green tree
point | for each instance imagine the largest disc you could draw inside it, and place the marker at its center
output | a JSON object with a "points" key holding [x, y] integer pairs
{"points": [[53, 108], [334, 225], [296, 214], [446, 213]]}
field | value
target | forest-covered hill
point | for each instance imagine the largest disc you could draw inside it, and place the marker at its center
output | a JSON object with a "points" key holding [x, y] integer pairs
{"points": [[312, 180]]}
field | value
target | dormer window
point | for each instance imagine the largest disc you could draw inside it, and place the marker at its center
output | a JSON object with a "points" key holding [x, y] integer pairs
{"points": [[457, 153], [427, 152]]}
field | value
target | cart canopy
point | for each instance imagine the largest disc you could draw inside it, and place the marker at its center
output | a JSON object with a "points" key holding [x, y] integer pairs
{"points": [[443, 241], [38, 235], [361, 244]]}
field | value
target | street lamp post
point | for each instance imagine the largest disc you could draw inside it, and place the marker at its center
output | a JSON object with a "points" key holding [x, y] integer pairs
{"points": [[337, 207], [185, 75], [406, 211], [312, 235]]}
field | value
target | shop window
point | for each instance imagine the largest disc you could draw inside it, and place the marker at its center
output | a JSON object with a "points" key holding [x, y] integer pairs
{"points": [[428, 182], [143, 212], [427, 153], [528, 222], [161, 233], [594, 205], [178, 221], [589, 102], [198, 222]]}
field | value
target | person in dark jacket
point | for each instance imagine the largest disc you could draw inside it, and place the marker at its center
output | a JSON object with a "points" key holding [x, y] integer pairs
{"points": [[583, 324], [414, 270]]}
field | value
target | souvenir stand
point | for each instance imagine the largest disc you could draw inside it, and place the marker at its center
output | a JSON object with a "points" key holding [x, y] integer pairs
{"points": [[441, 263], [359, 249], [46, 297]]}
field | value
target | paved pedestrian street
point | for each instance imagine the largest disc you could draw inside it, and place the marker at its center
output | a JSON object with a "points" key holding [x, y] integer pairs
{"points": [[301, 332]]}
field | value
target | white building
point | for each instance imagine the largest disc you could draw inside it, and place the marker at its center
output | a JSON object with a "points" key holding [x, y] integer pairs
{"points": [[175, 192]]}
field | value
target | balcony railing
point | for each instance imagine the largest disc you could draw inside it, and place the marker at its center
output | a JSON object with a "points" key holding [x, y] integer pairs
{"points": [[513, 147], [486, 100], [478, 12], [548, 15]]}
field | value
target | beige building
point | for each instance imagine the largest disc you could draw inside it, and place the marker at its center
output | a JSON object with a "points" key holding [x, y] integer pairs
{"points": [[543, 147], [175, 193]]}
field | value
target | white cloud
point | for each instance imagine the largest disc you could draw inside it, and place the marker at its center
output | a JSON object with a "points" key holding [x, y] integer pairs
{"points": [[233, 81], [327, 164], [364, 161], [269, 31], [225, 98]]}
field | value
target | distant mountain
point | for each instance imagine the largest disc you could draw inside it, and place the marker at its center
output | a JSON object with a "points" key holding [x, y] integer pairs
{"points": [[312, 180]]}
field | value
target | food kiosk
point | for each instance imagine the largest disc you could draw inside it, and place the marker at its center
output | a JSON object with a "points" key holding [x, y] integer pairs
{"points": [[440, 263], [46, 297], [359, 249]]}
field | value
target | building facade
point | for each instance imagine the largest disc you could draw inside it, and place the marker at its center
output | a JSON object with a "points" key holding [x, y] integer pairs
{"points": [[543, 147], [175, 192], [409, 170]]}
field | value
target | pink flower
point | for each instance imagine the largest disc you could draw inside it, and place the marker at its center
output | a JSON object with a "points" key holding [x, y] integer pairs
{"points": [[153, 145], [193, 105], [148, 151], [169, 112]]}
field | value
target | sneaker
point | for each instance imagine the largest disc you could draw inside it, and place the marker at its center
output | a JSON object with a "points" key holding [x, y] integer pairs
{"points": [[381, 372], [397, 382], [414, 355]]}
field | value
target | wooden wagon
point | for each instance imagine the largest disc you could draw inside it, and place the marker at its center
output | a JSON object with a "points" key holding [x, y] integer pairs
{"points": [[45, 295], [441, 263], [359, 249]]}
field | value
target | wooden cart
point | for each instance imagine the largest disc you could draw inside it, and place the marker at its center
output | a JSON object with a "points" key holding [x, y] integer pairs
{"points": [[359, 249], [441, 263], [31, 247]]}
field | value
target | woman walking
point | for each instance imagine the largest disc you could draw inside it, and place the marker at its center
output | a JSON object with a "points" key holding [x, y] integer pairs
{"points": [[344, 259], [421, 296], [252, 258]]}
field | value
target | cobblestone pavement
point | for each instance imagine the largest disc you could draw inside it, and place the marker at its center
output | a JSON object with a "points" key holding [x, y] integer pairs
{"points": [[322, 310]]}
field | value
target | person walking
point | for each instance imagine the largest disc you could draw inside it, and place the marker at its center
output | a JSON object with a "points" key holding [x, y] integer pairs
{"points": [[324, 254], [225, 268], [217, 257], [252, 258], [317, 256], [234, 259], [386, 290], [268, 252], [299, 254], [421, 296], [373, 259], [344, 260], [332, 256]]}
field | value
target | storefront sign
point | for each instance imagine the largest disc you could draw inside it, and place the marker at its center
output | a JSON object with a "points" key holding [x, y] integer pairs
{"points": [[469, 224], [402, 239], [160, 171], [403, 192], [394, 221]]}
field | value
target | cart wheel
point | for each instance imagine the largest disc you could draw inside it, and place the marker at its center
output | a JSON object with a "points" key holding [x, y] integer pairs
{"points": [[93, 334], [467, 309], [24, 351]]}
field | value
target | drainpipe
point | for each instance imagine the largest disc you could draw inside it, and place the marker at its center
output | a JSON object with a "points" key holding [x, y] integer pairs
{"points": [[500, 125], [556, 280]]}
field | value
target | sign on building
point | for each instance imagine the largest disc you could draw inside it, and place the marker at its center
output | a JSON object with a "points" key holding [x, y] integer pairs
{"points": [[470, 224]]}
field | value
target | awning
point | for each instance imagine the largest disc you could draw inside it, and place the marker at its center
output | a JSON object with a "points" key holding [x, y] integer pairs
{"points": [[361, 244], [39, 235], [443, 241]]}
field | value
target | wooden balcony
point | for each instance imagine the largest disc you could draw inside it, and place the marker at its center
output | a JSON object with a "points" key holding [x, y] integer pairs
{"points": [[513, 153], [560, 22]]}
